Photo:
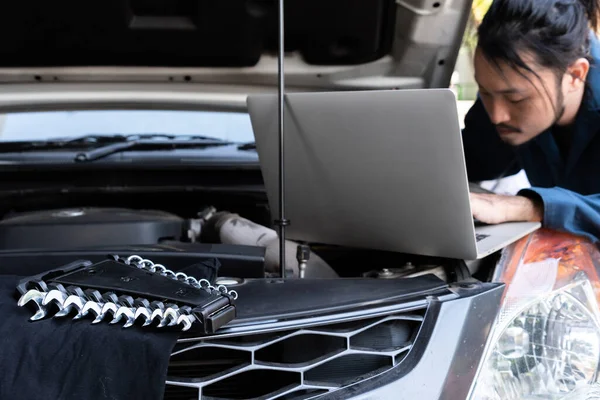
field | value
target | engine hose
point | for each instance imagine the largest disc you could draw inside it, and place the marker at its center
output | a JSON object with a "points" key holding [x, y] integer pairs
{"points": [[230, 228]]}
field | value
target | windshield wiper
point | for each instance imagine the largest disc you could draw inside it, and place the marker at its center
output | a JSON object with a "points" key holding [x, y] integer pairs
{"points": [[247, 146], [143, 142], [94, 140]]}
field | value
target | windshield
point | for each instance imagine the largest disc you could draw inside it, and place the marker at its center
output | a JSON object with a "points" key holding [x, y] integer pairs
{"points": [[229, 126]]}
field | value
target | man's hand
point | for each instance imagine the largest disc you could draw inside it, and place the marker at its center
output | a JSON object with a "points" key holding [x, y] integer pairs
{"points": [[496, 209]]}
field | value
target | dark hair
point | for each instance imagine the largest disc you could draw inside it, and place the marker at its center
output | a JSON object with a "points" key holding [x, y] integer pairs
{"points": [[556, 32]]}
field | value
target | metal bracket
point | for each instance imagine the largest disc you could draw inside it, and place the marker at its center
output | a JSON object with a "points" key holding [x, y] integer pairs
{"points": [[282, 222]]}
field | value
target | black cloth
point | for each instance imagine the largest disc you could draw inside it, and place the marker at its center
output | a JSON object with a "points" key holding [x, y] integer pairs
{"points": [[62, 359]]}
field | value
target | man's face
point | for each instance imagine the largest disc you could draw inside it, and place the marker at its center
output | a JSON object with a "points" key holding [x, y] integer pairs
{"points": [[520, 104]]}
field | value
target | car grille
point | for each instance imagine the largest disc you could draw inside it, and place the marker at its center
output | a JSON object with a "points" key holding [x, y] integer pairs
{"points": [[293, 364]]}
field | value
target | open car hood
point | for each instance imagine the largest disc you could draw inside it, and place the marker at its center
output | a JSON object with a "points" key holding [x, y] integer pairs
{"points": [[337, 44]]}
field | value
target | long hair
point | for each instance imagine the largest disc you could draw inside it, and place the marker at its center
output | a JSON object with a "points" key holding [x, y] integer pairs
{"points": [[555, 32]]}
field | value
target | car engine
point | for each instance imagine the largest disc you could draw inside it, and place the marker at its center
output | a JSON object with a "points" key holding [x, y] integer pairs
{"points": [[32, 241]]}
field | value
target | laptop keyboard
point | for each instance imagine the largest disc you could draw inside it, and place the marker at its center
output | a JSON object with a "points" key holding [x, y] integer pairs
{"points": [[480, 236]]}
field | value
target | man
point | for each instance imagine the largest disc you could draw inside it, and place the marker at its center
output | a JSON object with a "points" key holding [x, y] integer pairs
{"points": [[538, 70]]}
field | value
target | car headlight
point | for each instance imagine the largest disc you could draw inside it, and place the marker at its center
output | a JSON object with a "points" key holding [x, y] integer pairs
{"points": [[545, 343]]}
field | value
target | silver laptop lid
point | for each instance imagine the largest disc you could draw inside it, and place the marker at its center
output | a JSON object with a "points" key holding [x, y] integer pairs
{"points": [[371, 169]]}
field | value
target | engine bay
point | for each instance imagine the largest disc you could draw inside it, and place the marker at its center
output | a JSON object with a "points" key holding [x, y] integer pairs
{"points": [[72, 254], [37, 240]]}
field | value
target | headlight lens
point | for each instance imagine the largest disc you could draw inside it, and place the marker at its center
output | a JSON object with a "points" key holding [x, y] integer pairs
{"points": [[545, 343], [549, 349]]}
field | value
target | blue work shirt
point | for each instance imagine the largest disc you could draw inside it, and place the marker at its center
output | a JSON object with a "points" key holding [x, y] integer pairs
{"points": [[569, 187]]}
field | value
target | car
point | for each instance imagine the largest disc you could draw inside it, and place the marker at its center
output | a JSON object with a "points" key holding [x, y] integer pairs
{"points": [[126, 132]]}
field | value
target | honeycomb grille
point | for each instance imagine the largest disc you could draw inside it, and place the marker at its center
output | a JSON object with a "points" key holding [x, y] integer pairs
{"points": [[290, 365]]}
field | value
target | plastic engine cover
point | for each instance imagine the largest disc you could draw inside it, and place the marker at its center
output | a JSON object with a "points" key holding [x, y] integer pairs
{"points": [[87, 227]]}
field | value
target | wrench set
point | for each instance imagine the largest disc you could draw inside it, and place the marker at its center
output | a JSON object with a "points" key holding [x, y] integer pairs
{"points": [[130, 291]]}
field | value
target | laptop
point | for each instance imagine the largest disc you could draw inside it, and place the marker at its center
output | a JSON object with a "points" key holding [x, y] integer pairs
{"points": [[378, 169]]}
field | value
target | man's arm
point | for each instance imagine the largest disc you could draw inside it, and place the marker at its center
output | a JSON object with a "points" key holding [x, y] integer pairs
{"points": [[496, 208], [568, 211], [557, 208]]}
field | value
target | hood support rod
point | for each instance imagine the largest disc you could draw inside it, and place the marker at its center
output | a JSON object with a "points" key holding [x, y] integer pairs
{"points": [[282, 221]]}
